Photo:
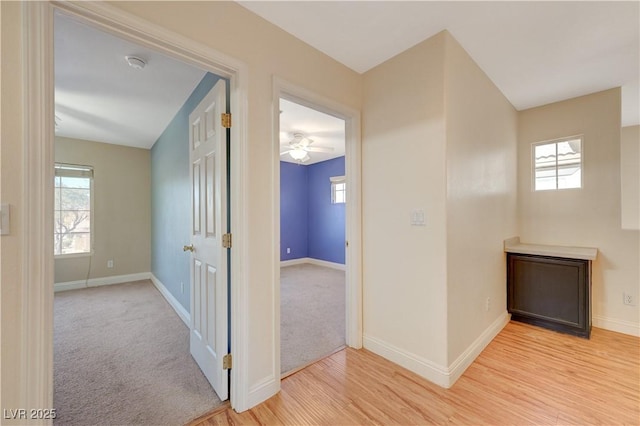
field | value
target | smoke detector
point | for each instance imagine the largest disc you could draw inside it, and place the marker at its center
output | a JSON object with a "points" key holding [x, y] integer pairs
{"points": [[135, 62]]}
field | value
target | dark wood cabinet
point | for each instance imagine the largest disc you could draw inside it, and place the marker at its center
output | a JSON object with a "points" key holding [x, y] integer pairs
{"points": [[551, 292]]}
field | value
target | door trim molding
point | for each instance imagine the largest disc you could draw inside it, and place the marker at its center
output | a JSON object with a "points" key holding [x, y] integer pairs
{"points": [[36, 369], [37, 333], [285, 89]]}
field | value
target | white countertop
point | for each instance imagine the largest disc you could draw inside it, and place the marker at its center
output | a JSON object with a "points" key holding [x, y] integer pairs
{"points": [[513, 245]]}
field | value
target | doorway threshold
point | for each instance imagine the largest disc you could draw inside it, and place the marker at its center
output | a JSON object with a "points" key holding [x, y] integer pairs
{"points": [[295, 370]]}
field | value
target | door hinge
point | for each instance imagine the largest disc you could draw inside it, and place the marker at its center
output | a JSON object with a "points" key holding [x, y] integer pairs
{"points": [[226, 120], [226, 241], [227, 362]]}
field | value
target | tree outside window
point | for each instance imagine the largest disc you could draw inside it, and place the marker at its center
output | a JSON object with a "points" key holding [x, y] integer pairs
{"points": [[72, 209]]}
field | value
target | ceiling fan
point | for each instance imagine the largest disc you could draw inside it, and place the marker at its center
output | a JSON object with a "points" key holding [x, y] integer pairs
{"points": [[300, 147]]}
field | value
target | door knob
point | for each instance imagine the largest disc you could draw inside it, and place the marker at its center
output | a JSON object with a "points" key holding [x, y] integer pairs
{"points": [[189, 248]]}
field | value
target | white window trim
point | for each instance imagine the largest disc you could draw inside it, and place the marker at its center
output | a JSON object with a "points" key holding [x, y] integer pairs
{"points": [[335, 180], [77, 170], [556, 141]]}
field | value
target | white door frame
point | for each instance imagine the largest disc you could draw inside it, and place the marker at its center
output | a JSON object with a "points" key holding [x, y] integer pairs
{"points": [[36, 370], [302, 96]]}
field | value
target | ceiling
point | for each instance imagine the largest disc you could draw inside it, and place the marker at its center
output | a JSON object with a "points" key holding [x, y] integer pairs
{"points": [[323, 129], [535, 52], [99, 97]]}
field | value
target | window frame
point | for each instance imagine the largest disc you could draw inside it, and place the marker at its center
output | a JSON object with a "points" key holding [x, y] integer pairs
{"points": [[90, 170], [337, 180], [556, 142]]}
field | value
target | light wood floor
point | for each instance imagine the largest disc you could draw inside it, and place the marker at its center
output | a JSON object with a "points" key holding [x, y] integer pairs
{"points": [[527, 375]]}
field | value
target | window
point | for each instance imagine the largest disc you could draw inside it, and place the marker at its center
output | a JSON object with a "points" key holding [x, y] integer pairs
{"points": [[558, 164], [338, 190], [72, 204]]}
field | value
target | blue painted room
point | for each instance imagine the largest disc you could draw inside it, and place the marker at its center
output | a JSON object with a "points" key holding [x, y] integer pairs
{"points": [[312, 235]]}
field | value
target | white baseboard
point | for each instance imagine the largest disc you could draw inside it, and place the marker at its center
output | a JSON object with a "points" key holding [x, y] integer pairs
{"points": [[177, 306], [442, 376], [326, 264], [263, 390], [96, 282], [620, 326], [292, 262], [465, 359], [421, 366]]}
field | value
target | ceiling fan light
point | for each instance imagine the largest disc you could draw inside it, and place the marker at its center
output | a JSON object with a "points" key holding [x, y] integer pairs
{"points": [[298, 154]]}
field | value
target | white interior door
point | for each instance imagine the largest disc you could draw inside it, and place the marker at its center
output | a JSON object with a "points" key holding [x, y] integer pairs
{"points": [[209, 320]]}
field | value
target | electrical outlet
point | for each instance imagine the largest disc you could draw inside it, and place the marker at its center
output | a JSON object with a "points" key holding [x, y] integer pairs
{"points": [[488, 304], [181, 287], [628, 299], [109, 263], [288, 250]]}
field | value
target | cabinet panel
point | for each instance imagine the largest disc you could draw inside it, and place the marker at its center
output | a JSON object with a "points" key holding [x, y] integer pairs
{"points": [[550, 292]]}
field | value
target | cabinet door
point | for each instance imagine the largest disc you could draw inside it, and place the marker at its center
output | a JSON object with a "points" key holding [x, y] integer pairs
{"points": [[548, 291]]}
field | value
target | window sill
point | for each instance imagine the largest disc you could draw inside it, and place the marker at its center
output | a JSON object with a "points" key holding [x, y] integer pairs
{"points": [[71, 256], [555, 189]]}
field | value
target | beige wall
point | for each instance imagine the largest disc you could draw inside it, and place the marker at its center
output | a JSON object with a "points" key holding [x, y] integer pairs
{"points": [[481, 128], [403, 168], [122, 209], [630, 176], [11, 192], [438, 136], [589, 216]]}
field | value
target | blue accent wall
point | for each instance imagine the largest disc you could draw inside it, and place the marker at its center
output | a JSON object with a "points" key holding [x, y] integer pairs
{"points": [[293, 211], [309, 224], [170, 198], [326, 220]]}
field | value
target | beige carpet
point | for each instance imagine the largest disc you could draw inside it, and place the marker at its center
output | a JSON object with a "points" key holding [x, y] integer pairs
{"points": [[312, 314], [121, 357]]}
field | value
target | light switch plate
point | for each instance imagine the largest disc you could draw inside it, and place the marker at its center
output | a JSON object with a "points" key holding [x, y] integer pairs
{"points": [[5, 219], [417, 217]]}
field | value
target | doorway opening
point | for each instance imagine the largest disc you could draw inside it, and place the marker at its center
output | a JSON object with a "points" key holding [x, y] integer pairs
{"points": [[334, 189], [312, 235], [115, 168]]}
